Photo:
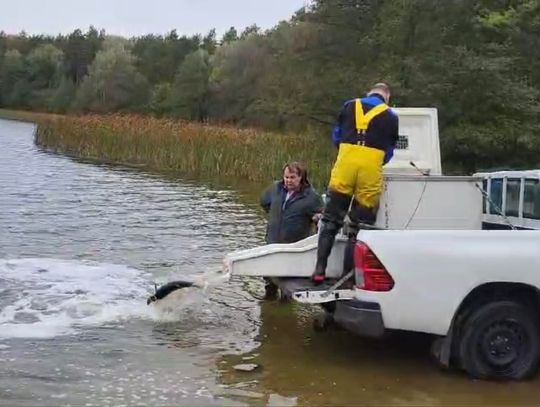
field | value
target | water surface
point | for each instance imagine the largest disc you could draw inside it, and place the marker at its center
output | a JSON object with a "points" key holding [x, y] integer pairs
{"points": [[80, 247]]}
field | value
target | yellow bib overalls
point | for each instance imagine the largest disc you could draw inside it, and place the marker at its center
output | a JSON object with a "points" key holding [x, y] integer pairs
{"points": [[357, 172], [358, 169]]}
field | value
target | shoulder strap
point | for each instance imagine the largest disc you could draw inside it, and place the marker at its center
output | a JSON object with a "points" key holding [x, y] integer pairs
{"points": [[363, 120]]}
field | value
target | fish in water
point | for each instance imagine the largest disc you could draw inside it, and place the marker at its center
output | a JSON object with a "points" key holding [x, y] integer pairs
{"points": [[168, 288]]}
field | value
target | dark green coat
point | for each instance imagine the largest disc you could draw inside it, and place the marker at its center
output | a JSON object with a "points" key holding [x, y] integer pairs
{"points": [[292, 221]]}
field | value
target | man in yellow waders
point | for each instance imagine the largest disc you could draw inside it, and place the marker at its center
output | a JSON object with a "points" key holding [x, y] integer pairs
{"points": [[366, 134]]}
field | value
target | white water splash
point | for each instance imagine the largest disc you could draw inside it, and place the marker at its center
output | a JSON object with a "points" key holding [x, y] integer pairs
{"points": [[44, 298], [170, 308]]}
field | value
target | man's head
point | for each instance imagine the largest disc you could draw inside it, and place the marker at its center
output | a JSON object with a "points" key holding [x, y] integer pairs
{"points": [[381, 89], [295, 176]]}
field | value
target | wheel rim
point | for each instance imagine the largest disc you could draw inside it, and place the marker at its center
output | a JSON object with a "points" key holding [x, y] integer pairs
{"points": [[503, 344]]}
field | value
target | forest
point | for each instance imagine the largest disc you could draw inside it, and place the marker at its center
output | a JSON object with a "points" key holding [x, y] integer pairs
{"points": [[476, 61]]}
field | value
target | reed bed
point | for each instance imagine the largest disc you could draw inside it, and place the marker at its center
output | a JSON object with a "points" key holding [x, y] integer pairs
{"points": [[196, 149]]}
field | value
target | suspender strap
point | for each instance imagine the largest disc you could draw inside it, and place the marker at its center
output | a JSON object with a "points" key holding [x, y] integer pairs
{"points": [[363, 120]]}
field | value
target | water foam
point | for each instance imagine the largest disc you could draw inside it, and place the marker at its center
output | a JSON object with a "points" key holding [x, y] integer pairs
{"points": [[170, 308], [44, 298]]}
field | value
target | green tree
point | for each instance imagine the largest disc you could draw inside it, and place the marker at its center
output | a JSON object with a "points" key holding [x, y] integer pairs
{"points": [[3, 45], [190, 92], [238, 68], [230, 36], [160, 99], [250, 30], [12, 71], [21, 95], [209, 42], [44, 66], [80, 50], [113, 83], [62, 97], [158, 57]]}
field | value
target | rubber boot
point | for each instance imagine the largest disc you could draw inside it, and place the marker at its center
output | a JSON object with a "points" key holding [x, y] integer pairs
{"points": [[319, 275], [324, 248], [332, 221]]}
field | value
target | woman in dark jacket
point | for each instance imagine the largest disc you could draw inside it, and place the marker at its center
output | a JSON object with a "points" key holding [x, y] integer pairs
{"points": [[293, 206]]}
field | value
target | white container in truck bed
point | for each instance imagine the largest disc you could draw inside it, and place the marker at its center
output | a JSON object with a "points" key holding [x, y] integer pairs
{"points": [[430, 202]]}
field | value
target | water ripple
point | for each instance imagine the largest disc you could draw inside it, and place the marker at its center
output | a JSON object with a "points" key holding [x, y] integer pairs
{"points": [[80, 246]]}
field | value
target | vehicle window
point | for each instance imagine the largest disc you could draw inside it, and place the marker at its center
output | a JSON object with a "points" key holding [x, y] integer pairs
{"points": [[531, 199], [495, 194], [513, 187], [484, 187]]}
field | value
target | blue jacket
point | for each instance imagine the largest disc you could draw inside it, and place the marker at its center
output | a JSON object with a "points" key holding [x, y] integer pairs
{"points": [[290, 221], [382, 133]]}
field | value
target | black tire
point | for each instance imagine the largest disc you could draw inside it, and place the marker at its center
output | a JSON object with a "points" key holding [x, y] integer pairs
{"points": [[500, 340]]}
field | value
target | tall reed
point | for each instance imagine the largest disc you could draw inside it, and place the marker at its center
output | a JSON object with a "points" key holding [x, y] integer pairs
{"points": [[184, 147]]}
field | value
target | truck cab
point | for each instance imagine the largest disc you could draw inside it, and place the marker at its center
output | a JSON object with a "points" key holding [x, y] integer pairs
{"points": [[512, 199]]}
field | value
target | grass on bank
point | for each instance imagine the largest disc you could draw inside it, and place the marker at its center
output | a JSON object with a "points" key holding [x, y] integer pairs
{"points": [[194, 149]]}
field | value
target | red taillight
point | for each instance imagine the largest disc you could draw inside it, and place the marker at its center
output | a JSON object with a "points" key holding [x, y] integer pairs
{"points": [[371, 275]]}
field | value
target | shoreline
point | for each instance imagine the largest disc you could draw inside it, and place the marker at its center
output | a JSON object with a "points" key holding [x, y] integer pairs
{"points": [[243, 160]]}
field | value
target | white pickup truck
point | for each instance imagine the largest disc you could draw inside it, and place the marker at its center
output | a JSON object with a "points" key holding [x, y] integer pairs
{"points": [[428, 268], [477, 291]]}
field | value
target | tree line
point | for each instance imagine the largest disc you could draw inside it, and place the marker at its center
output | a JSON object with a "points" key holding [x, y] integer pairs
{"points": [[477, 61]]}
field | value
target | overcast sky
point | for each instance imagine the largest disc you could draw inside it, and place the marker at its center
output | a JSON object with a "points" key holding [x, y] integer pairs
{"points": [[136, 17]]}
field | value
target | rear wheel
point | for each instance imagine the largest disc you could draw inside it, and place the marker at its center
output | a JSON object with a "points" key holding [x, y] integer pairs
{"points": [[500, 340]]}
